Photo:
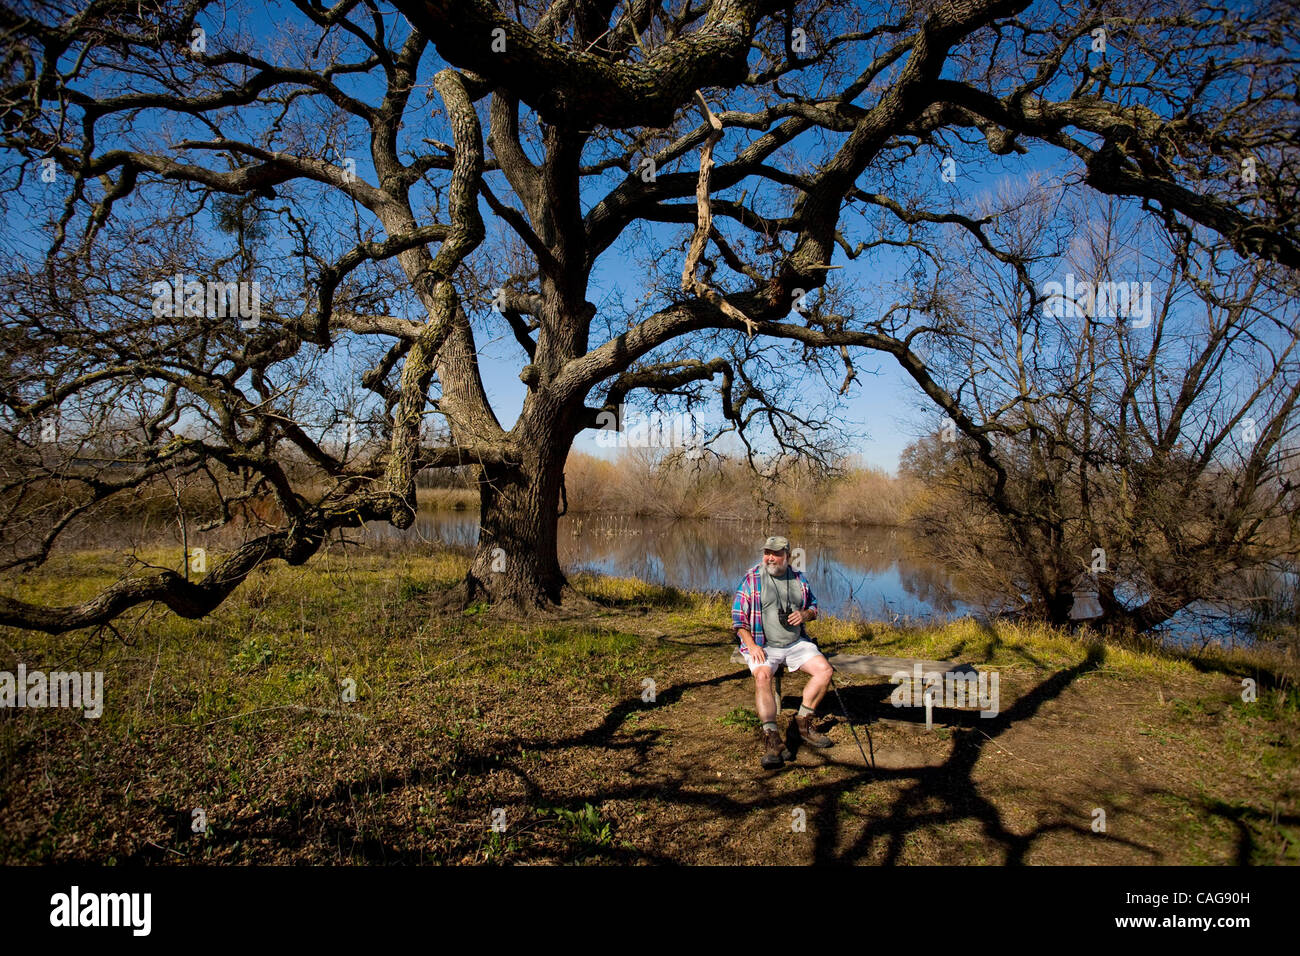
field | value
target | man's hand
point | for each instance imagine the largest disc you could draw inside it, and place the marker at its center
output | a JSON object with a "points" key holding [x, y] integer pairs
{"points": [[802, 617], [755, 652]]}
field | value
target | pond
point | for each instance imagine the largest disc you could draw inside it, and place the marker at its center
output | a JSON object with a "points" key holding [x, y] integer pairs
{"points": [[865, 571], [876, 573], [870, 572]]}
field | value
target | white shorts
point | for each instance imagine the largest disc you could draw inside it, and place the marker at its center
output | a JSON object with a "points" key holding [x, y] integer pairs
{"points": [[794, 657]]}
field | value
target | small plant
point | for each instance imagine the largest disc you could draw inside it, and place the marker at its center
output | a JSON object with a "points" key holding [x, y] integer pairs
{"points": [[253, 654], [410, 589], [741, 717], [499, 847], [585, 824]]}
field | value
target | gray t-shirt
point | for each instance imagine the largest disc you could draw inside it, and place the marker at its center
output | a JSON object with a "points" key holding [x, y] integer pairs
{"points": [[783, 592]]}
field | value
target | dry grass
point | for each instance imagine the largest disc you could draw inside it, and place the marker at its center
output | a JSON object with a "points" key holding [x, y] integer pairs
{"points": [[448, 499], [642, 483]]}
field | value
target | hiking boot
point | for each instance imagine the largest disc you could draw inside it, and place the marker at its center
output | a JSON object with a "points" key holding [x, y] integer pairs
{"points": [[774, 752], [810, 736]]}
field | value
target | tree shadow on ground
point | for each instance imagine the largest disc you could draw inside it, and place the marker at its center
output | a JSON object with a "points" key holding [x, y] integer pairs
{"points": [[952, 788], [931, 795], [285, 823], [950, 785], [1247, 821]]}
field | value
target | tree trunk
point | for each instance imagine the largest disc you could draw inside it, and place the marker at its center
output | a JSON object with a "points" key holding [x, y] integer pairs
{"points": [[516, 564], [1059, 605]]}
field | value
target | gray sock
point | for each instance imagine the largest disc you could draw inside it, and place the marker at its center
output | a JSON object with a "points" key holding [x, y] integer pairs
{"points": [[805, 710], [769, 725]]}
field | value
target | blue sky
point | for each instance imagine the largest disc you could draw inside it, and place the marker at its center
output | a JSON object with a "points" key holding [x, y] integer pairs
{"points": [[881, 408]]}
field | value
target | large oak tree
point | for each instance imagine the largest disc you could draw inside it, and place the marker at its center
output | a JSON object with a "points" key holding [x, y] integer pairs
{"points": [[409, 181]]}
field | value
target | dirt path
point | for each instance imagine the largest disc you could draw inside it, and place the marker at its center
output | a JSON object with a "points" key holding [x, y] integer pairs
{"points": [[1023, 787]]}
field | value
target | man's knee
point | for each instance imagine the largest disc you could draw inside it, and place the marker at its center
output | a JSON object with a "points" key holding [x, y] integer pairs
{"points": [[763, 675], [819, 667]]}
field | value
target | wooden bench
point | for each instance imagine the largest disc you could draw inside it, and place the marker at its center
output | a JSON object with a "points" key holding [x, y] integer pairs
{"points": [[883, 667]]}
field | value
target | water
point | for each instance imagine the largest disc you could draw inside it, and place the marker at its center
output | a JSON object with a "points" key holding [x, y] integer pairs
{"points": [[867, 571], [875, 573]]}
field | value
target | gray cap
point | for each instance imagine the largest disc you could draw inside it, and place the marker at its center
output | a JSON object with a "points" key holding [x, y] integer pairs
{"points": [[776, 543]]}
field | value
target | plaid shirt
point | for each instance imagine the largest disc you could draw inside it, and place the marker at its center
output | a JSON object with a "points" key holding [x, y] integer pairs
{"points": [[747, 608]]}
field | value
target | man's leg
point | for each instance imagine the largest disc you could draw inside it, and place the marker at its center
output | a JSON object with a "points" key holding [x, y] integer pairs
{"points": [[819, 678], [775, 752], [764, 702]]}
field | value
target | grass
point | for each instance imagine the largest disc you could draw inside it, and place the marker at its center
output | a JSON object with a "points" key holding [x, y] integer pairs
{"points": [[744, 718], [447, 499], [637, 484], [585, 824], [325, 715]]}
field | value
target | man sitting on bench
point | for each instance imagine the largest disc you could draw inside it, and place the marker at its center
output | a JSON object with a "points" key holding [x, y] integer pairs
{"points": [[771, 607]]}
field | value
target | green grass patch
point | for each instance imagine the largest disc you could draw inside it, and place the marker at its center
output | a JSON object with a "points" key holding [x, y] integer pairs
{"points": [[742, 717]]}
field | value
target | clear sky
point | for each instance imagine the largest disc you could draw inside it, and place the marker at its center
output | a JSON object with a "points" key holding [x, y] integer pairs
{"points": [[880, 409]]}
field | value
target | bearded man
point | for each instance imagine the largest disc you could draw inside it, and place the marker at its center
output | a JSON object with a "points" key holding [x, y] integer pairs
{"points": [[772, 605]]}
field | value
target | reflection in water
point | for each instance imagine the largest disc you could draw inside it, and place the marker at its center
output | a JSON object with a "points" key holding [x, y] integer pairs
{"points": [[875, 573], [866, 571]]}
